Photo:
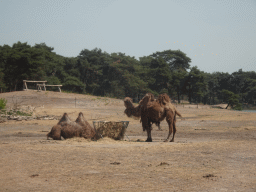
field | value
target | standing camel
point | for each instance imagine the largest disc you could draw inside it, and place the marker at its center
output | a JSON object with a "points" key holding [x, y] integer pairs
{"points": [[155, 111], [132, 111]]}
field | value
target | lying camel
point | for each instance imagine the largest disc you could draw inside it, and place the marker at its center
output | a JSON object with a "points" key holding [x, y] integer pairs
{"points": [[67, 129]]}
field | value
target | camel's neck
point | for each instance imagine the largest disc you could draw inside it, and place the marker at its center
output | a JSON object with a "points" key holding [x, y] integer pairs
{"points": [[130, 105], [132, 110]]}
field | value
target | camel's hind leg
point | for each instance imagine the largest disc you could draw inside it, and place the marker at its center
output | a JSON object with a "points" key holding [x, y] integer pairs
{"points": [[158, 125], [170, 131], [170, 120], [174, 131], [146, 124]]}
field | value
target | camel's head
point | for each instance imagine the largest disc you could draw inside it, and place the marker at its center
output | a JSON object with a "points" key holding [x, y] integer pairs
{"points": [[51, 133], [128, 102], [128, 105], [55, 133]]}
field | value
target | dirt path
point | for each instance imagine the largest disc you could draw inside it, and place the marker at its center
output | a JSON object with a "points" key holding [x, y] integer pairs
{"points": [[214, 150]]}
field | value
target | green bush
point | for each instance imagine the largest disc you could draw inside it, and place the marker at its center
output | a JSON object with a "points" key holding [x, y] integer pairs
{"points": [[2, 103], [21, 113], [238, 107], [232, 100]]}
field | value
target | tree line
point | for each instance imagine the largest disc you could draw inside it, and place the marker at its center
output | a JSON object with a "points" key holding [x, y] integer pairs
{"points": [[118, 75]]}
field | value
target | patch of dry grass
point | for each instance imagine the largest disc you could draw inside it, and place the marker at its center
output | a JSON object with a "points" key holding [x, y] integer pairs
{"points": [[219, 156]]}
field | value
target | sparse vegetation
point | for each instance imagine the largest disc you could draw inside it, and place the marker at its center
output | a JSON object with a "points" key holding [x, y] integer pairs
{"points": [[3, 103], [66, 91], [21, 113]]}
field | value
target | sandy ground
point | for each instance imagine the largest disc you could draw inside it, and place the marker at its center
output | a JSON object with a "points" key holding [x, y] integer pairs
{"points": [[214, 150]]}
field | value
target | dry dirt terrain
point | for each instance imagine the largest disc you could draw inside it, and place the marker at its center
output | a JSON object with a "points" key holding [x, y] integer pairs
{"points": [[214, 150]]}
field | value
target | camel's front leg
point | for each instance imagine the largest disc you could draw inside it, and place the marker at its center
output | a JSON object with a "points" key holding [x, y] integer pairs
{"points": [[149, 128], [144, 121], [149, 139]]}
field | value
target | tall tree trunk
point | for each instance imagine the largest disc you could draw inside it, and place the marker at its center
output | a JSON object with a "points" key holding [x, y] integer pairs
{"points": [[189, 94], [178, 93]]}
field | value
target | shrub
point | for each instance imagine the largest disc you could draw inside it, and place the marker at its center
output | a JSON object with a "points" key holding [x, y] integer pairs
{"points": [[21, 113], [238, 107], [232, 100], [2, 103]]}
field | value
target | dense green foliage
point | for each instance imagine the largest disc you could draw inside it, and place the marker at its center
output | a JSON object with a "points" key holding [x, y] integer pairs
{"points": [[3, 103], [232, 99], [118, 75]]}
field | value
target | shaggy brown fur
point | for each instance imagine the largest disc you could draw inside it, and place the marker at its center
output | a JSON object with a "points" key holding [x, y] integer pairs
{"points": [[89, 132], [67, 129], [55, 133], [64, 119], [155, 111], [164, 99], [148, 102], [132, 111]]}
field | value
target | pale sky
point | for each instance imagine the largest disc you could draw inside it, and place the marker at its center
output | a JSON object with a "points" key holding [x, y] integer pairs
{"points": [[220, 33]]}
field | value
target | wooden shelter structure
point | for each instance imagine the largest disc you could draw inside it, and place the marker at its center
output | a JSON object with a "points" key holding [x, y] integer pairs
{"points": [[28, 81], [39, 86]]}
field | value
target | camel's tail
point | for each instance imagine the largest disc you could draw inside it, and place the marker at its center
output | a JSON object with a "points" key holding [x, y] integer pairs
{"points": [[178, 113]]}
